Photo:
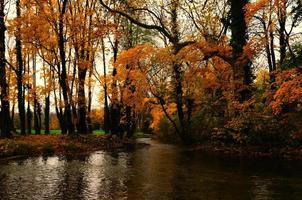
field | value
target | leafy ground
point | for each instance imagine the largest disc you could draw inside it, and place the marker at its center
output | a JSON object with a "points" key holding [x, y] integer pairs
{"points": [[58, 144]]}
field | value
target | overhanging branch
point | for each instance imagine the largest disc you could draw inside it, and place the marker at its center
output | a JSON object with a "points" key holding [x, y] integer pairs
{"points": [[141, 24]]}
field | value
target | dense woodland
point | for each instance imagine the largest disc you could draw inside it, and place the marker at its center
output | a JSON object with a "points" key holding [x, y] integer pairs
{"points": [[191, 71]]}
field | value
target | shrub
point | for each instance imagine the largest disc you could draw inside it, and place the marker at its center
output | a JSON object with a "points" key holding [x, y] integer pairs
{"points": [[70, 148], [48, 149], [166, 132], [22, 148], [251, 128]]}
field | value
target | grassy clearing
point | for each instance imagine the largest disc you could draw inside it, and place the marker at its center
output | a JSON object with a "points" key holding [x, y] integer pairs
{"points": [[59, 132], [99, 132], [33, 132], [139, 135]]}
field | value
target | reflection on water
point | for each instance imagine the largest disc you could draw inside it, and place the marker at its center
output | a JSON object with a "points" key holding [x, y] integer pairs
{"points": [[156, 172]]}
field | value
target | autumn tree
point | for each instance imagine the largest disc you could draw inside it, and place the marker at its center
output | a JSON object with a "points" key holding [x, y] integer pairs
{"points": [[106, 103], [85, 45], [5, 109], [174, 38], [19, 73], [242, 66], [275, 24], [62, 7], [47, 76]]}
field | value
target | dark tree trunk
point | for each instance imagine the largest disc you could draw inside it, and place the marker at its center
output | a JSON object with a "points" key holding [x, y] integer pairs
{"points": [[37, 117], [89, 122], [282, 30], [241, 66], [47, 115], [274, 67], [5, 114], [178, 77], [273, 58], [269, 48], [115, 107], [47, 103], [39, 113], [37, 109], [60, 117], [13, 118], [130, 122], [74, 114], [106, 105], [29, 118], [59, 111], [73, 105], [178, 92], [28, 87], [63, 76], [82, 108], [19, 74], [189, 105], [267, 45]]}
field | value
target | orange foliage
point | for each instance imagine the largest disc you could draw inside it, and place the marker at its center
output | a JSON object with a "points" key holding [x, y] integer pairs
{"points": [[131, 76], [157, 115], [253, 8], [289, 91]]}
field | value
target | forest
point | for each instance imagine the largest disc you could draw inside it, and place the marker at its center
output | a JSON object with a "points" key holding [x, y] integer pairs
{"points": [[191, 72], [161, 99]]}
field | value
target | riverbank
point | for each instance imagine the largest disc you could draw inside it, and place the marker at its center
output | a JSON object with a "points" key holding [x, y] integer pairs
{"points": [[34, 145], [47, 145], [285, 153]]}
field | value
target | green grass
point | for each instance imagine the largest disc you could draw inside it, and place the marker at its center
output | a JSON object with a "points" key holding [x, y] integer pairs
{"points": [[99, 132], [139, 135], [58, 132], [52, 132]]}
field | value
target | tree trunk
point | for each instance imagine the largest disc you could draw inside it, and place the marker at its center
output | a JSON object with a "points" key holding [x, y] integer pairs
{"points": [[178, 76], [106, 105], [241, 64], [282, 30], [59, 111], [29, 118], [73, 105], [5, 115], [89, 122], [47, 115], [267, 45], [36, 103], [37, 117], [13, 119], [130, 122], [274, 67], [178, 92], [115, 107], [82, 109], [47, 102], [63, 76], [19, 74]]}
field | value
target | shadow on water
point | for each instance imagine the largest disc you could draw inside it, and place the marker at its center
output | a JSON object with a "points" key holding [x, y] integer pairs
{"points": [[158, 171]]}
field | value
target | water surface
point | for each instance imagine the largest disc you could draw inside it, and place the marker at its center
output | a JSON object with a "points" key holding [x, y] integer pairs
{"points": [[158, 171]]}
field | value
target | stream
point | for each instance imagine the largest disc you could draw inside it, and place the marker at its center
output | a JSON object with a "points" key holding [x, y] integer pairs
{"points": [[154, 171]]}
